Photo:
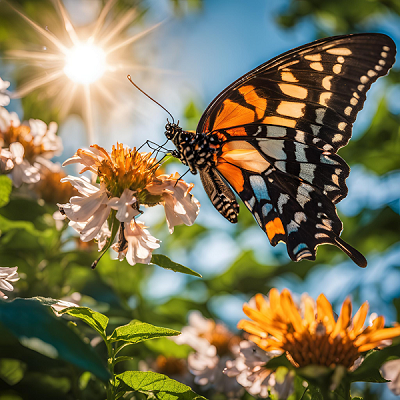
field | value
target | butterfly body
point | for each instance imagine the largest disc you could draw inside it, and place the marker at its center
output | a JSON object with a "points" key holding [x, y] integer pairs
{"points": [[273, 135]]}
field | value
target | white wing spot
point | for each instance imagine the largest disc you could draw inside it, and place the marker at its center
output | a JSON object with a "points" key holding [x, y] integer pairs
{"points": [[371, 73], [320, 113], [335, 179], [313, 57], [356, 95], [326, 82], [342, 126], [291, 109], [327, 147], [317, 66], [383, 54], [364, 79], [324, 98], [300, 217], [292, 227], [360, 88], [340, 59], [348, 110], [283, 199], [281, 165], [276, 131], [337, 68], [267, 207], [320, 235], [319, 204], [251, 202], [300, 136], [340, 51], [303, 194], [382, 62], [315, 129], [273, 148], [338, 171], [386, 48], [337, 138], [378, 68], [307, 171], [300, 152], [353, 101]]}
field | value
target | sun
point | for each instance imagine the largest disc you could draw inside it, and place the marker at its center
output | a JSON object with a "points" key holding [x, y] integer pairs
{"points": [[80, 71], [85, 63]]}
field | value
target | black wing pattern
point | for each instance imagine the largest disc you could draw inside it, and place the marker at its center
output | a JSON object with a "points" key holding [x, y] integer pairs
{"points": [[281, 125]]}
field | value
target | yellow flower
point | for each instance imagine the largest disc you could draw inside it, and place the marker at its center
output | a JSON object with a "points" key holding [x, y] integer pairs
{"points": [[310, 334]]}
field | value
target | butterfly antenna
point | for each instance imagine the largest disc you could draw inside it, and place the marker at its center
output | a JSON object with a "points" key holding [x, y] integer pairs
{"points": [[138, 88]]}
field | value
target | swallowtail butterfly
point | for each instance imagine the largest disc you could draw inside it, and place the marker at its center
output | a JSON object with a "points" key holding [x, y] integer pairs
{"points": [[273, 136]]}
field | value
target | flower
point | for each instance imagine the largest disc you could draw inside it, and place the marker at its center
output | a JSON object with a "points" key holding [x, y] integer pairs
{"points": [[248, 369], [313, 336], [138, 244], [7, 275], [22, 171], [391, 371], [126, 180], [29, 147], [4, 97], [214, 345], [180, 206]]}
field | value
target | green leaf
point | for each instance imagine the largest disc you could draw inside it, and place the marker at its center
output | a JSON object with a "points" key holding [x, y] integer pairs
{"points": [[168, 348], [37, 328], [5, 190], [94, 319], [280, 361], [150, 382], [165, 262], [137, 331], [368, 371]]}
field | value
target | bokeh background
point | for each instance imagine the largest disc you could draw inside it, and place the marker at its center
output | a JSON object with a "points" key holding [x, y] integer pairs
{"points": [[192, 50]]}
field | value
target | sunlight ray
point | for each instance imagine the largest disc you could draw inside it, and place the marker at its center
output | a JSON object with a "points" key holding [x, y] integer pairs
{"points": [[88, 112], [65, 97], [67, 23], [35, 83], [99, 23], [123, 23], [107, 94], [42, 31], [132, 39], [34, 55]]}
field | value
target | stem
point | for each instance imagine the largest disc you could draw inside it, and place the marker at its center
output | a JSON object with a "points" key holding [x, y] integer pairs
{"points": [[111, 392]]}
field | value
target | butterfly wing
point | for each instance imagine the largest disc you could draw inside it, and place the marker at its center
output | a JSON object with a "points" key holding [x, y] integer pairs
{"points": [[281, 125]]}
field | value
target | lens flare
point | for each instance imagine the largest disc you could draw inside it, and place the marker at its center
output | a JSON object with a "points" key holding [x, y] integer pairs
{"points": [[85, 63]]}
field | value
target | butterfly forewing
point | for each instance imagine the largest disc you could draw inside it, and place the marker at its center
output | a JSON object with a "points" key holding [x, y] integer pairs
{"points": [[318, 88]]}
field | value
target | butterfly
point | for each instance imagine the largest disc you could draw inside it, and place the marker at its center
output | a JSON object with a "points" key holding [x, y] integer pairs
{"points": [[273, 136]]}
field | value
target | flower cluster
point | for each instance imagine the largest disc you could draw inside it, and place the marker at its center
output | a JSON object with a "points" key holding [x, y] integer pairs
{"points": [[107, 210], [25, 149], [7, 276], [309, 334]]}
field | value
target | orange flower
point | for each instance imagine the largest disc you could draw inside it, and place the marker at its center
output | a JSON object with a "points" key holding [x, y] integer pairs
{"points": [[312, 335]]}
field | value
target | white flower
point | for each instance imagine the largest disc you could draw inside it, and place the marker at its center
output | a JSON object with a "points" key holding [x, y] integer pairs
{"points": [[45, 137], [7, 275], [139, 244], [23, 171], [91, 159], [391, 371], [180, 206], [4, 97], [124, 204], [208, 362], [6, 162], [86, 213], [248, 368], [7, 119]]}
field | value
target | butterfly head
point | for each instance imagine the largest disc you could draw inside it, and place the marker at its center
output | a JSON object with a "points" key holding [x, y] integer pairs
{"points": [[172, 130]]}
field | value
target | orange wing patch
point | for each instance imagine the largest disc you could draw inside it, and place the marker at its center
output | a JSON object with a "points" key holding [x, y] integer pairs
{"points": [[251, 97], [273, 228], [233, 175]]}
